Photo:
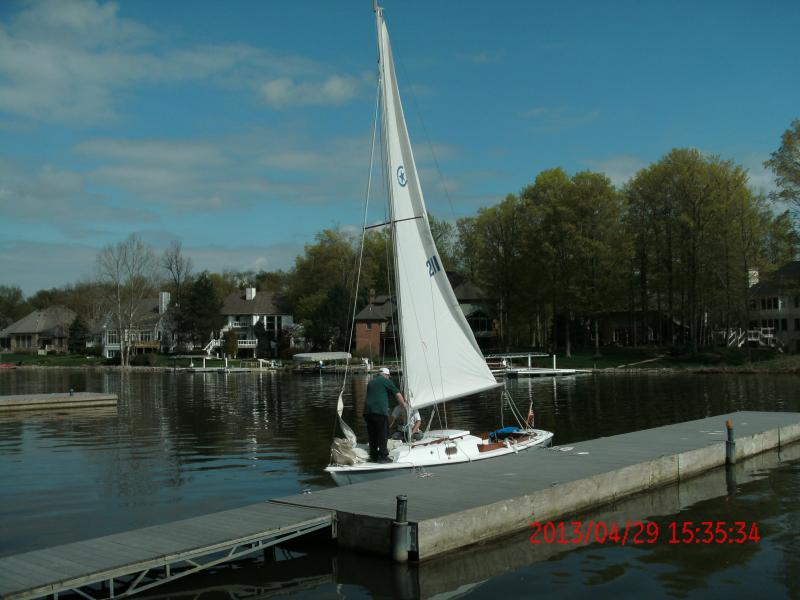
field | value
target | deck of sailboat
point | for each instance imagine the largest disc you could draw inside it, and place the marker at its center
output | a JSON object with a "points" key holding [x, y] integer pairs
{"points": [[464, 504]]}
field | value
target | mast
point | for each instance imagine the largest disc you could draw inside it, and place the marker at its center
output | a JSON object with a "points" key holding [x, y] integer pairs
{"points": [[387, 171]]}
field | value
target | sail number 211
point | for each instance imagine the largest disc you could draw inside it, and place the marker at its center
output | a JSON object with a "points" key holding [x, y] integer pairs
{"points": [[433, 265]]}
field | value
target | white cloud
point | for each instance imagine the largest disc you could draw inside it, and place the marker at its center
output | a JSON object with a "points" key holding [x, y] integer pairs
{"points": [[68, 61], [35, 265], [761, 179], [619, 169], [285, 92], [60, 198]]}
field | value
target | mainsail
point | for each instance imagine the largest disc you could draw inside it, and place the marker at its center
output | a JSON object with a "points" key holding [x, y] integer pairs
{"points": [[441, 359]]}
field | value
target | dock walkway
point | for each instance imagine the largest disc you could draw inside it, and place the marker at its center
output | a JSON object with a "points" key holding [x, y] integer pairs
{"points": [[131, 562], [62, 400], [460, 505]]}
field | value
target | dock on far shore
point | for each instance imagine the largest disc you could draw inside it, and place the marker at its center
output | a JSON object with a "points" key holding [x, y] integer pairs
{"points": [[58, 400]]}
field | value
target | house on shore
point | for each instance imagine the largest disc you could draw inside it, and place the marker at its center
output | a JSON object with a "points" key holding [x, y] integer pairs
{"points": [[45, 330], [150, 332], [243, 310], [775, 306], [375, 324]]}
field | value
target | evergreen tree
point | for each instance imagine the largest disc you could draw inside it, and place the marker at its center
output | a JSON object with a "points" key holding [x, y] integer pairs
{"points": [[78, 334]]}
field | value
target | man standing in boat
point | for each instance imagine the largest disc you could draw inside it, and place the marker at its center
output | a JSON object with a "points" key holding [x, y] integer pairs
{"points": [[376, 414]]}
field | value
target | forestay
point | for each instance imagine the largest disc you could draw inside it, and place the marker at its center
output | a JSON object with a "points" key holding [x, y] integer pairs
{"points": [[441, 359]]}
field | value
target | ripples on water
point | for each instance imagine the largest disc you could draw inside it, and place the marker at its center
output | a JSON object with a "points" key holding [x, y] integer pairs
{"points": [[179, 445]]}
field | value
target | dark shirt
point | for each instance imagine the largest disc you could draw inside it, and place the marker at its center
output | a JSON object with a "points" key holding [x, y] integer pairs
{"points": [[379, 390]]}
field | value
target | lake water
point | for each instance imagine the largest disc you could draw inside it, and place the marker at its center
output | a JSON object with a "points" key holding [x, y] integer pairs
{"points": [[179, 445]]}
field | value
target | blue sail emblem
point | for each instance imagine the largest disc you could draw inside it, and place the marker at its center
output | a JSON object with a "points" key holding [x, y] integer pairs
{"points": [[401, 176]]}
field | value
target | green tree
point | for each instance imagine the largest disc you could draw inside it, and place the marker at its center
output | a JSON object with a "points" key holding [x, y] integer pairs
{"points": [[444, 236], [696, 233], [231, 343], [600, 274], [785, 163], [199, 318], [78, 335], [553, 225], [263, 349], [319, 289], [12, 305]]}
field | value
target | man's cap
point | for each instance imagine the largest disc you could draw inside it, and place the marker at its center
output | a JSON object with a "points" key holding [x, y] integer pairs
{"points": [[384, 371]]}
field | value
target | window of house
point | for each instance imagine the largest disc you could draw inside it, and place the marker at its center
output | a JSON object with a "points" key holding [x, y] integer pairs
{"points": [[763, 304], [369, 325], [783, 324], [797, 324], [112, 337], [147, 336], [797, 301]]}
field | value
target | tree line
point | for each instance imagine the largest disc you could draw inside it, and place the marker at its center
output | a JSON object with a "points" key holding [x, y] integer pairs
{"points": [[674, 250]]}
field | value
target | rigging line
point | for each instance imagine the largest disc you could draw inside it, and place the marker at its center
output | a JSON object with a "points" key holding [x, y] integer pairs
{"points": [[361, 252]]}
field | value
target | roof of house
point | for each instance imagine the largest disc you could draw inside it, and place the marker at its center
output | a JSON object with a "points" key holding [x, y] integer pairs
{"points": [[468, 292], [237, 304], [147, 315], [785, 278], [380, 309], [51, 320]]}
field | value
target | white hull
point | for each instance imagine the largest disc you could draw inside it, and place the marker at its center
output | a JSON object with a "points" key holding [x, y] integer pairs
{"points": [[439, 449]]}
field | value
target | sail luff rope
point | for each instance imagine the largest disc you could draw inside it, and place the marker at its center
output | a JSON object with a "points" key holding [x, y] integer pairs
{"points": [[403, 378]]}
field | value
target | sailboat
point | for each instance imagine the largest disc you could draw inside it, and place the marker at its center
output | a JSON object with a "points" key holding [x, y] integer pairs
{"points": [[441, 360]]}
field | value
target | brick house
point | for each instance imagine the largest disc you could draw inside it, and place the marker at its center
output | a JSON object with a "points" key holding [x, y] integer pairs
{"points": [[375, 323]]}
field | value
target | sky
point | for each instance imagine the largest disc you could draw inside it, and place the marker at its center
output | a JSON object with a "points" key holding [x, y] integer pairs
{"points": [[241, 129]]}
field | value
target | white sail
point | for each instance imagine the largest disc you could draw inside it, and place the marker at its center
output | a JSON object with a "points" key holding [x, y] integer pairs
{"points": [[441, 359]]}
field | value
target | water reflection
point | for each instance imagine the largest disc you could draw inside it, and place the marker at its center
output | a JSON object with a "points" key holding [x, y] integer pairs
{"points": [[179, 445]]}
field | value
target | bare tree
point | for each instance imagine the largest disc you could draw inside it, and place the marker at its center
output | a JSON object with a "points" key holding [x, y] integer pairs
{"points": [[178, 267], [129, 269]]}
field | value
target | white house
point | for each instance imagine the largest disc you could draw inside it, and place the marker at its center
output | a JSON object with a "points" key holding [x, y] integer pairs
{"points": [[147, 335], [243, 310]]}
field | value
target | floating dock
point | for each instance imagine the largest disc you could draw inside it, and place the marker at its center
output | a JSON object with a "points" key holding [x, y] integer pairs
{"points": [[463, 504], [51, 401], [542, 372], [126, 563], [448, 509]]}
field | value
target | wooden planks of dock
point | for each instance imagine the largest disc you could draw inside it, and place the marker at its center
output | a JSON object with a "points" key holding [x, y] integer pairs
{"points": [[59, 400], [460, 505], [133, 561]]}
